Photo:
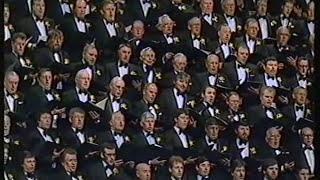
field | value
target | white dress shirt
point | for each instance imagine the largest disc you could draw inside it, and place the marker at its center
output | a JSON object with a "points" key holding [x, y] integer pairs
{"points": [[263, 28], [179, 98], [110, 28], [182, 137], [242, 74], [271, 82], [46, 137], [81, 26]]}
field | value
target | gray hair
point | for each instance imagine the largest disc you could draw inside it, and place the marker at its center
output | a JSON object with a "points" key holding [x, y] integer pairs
{"points": [[194, 20], [162, 19], [114, 80], [146, 115]]}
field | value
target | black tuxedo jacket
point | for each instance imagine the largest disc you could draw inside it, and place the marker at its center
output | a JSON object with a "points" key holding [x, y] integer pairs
{"points": [[168, 104], [289, 112], [107, 136], [210, 31], [268, 19], [172, 141], [202, 146], [236, 152], [112, 70], [70, 98], [218, 50], [55, 12], [139, 107], [140, 140], [258, 48]]}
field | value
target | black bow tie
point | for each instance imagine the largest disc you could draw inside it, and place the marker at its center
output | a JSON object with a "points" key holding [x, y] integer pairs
{"points": [[169, 35], [197, 38], [229, 16], [30, 175], [310, 21], [270, 77], [10, 94], [206, 14], [302, 78], [205, 178], [149, 134], [39, 19], [123, 64], [116, 100], [180, 93], [242, 142], [79, 131], [212, 141], [251, 39], [299, 108], [261, 17], [45, 132], [181, 131], [46, 91], [209, 105], [307, 148], [146, 1], [80, 20], [117, 134], [239, 65], [82, 91], [149, 68]]}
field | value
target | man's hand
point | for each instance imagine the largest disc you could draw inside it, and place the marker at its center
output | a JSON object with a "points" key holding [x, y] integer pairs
{"points": [[156, 162]]}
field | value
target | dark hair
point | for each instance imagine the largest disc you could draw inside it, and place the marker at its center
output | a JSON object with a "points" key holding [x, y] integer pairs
{"points": [[67, 151], [106, 145], [18, 35], [268, 162], [175, 159], [237, 163], [26, 155]]}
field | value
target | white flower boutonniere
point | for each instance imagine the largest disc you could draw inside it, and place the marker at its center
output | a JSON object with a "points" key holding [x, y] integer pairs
{"points": [[202, 41], [258, 42], [191, 143], [98, 72], [241, 116], [182, 7], [279, 79], [126, 138], [230, 44], [66, 61], [158, 75], [156, 106], [158, 139], [308, 111], [217, 111], [215, 19], [239, 28], [124, 106], [47, 23], [221, 79], [253, 150], [88, 24], [191, 103], [116, 25], [57, 97], [16, 142], [92, 98], [10, 176], [133, 73], [153, 5], [224, 149], [176, 39], [279, 115], [80, 177], [273, 23], [57, 140]]}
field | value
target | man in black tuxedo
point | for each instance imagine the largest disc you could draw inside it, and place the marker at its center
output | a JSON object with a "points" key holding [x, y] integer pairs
{"points": [[43, 94], [211, 142], [223, 47], [242, 145], [211, 77], [203, 169], [107, 25], [122, 66], [116, 133], [42, 141], [147, 136], [106, 166], [234, 112], [69, 169], [52, 56], [207, 107], [28, 171], [298, 108], [76, 30], [115, 101], [302, 77], [179, 64], [177, 137], [229, 17], [8, 28], [79, 93], [251, 40], [76, 134], [239, 72], [18, 62], [14, 101], [264, 20], [174, 98], [147, 103], [96, 69], [36, 25], [304, 151], [150, 74], [266, 114], [176, 167], [209, 20], [270, 169]]}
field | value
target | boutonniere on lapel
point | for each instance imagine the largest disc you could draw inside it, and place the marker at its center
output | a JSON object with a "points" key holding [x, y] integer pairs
{"points": [[92, 98], [98, 72], [221, 79], [230, 117], [158, 75], [158, 139], [239, 28], [241, 116], [230, 44], [273, 22], [124, 106], [57, 140], [57, 96], [294, 34], [224, 149], [116, 25], [279, 115], [253, 150], [91, 139], [115, 171], [10, 27], [191, 143], [247, 70], [202, 41], [156, 106], [290, 25], [258, 42], [279, 79], [153, 4], [176, 39], [133, 73], [80, 177], [215, 19], [16, 142], [88, 25], [127, 139], [28, 62], [191, 103], [308, 111], [309, 83], [217, 111], [66, 61], [10, 176]]}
